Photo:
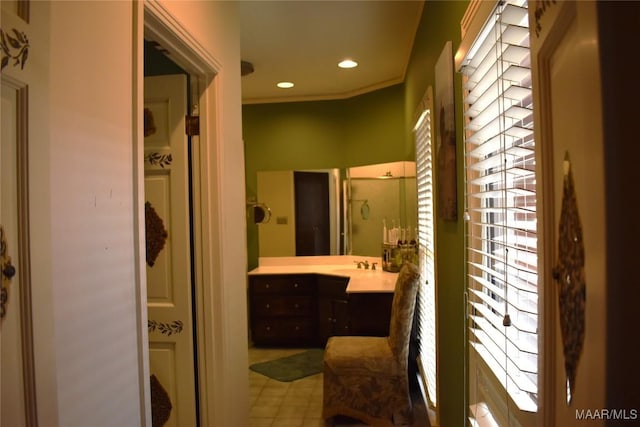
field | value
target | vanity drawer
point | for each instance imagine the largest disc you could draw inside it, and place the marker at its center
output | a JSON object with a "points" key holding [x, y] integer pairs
{"points": [[282, 284], [332, 286], [282, 331], [272, 305]]}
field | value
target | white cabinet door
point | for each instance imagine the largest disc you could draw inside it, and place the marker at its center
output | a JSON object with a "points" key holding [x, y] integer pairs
{"points": [[171, 345], [568, 122]]}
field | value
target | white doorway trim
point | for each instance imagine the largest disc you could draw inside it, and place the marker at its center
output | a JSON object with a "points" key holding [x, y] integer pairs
{"points": [[154, 22]]}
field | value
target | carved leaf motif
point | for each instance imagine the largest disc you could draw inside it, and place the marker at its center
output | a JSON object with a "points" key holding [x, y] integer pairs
{"points": [[25, 54], [149, 123], [174, 327], [14, 47], [157, 159], [155, 232], [5, 275], [13, 42], [160, 403], [20, 36]]}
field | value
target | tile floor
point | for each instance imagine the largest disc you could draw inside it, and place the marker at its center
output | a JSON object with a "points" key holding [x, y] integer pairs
{"points": [[297, 403]]}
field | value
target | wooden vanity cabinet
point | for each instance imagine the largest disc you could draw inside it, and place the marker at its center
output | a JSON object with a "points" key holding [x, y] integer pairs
{"points": [[370, 313], [283, 309], [307, 309], [333, 307]]}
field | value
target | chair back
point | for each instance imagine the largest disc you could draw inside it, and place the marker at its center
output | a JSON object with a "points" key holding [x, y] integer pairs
{"points": [[404, 302]]}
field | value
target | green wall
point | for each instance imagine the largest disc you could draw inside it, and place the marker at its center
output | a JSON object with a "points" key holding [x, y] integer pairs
{"points": [[440, 23], [358, 131]]}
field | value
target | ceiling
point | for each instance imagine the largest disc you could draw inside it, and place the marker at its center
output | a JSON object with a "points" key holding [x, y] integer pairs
{"points": [[303, 41]]}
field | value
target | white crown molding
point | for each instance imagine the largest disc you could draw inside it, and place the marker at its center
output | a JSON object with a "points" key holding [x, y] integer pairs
{"points": [[183, 48]]}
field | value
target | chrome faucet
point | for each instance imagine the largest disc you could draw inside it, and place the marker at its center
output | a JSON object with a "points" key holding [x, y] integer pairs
{"points": [[361, 263]]}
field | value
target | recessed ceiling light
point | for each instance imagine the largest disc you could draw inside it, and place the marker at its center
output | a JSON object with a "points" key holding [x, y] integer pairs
{"points": [[285, 85], [347, 63]]}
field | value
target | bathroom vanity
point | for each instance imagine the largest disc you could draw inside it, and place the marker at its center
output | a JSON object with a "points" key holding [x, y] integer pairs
{"points": [[302, 301]]}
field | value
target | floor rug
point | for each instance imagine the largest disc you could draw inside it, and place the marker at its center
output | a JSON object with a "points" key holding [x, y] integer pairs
{"points": [[291, 368]]}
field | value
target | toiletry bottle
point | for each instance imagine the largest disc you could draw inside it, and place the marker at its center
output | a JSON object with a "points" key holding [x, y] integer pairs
{"points": [[392, 233], [385, 238]]}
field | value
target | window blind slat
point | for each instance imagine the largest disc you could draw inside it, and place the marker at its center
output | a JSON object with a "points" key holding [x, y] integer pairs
{"points": [[498, 127], [515, 15], [493, 338], [495, 256], [495, 176], [524, 319], [486, 69], [523, 344], [525, 401], [523, 280], [523, 232], [512, 365]]}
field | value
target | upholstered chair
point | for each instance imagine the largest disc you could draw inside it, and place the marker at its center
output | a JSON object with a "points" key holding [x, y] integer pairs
{"points": [[366, 377]]}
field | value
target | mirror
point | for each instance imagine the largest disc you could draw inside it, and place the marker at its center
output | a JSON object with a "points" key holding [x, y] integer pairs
{"points": [[335, 211], [305, 208], [382, 196]]}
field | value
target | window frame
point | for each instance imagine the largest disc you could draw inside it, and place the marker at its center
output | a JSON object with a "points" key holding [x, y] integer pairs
{"points": [[426, 309], [479, 233]]}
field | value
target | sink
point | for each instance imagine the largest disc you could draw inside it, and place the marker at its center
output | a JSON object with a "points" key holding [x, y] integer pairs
{"points": [[353, 271], [361, 280]]}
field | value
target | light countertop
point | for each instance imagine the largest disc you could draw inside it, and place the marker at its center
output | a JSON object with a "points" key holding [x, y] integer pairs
{"points": [[360, 280]]}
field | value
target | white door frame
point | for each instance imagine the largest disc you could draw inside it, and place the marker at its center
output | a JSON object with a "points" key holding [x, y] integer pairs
{"points": [[25, 299], [153, 21]]}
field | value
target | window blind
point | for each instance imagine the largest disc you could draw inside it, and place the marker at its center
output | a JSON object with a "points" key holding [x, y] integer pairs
{"points": [[501, 202], [426, 328]]}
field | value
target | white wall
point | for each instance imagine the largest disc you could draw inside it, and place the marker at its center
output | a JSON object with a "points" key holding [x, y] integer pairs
{"points": [[88, 165], [91, 190]]}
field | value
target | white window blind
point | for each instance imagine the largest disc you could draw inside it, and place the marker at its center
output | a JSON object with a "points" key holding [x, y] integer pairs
{"points": [[426, 296], [501, 202]]}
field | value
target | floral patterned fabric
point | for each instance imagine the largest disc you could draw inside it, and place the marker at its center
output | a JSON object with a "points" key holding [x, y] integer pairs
{"points": [[366, 377]]}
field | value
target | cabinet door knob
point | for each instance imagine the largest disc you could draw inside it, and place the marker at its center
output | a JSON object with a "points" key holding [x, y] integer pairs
{"points": [[9, 271], [296, 305], [297, 328], [267, 306], [268, 328], [295, 285], [267, 286]]}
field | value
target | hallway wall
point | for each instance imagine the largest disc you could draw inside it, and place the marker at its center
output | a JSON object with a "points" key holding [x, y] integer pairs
{"points": [[91, 214], [85, 193]]}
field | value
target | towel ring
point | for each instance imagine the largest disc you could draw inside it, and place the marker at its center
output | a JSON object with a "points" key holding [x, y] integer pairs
{"points": [[261, 213]]}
